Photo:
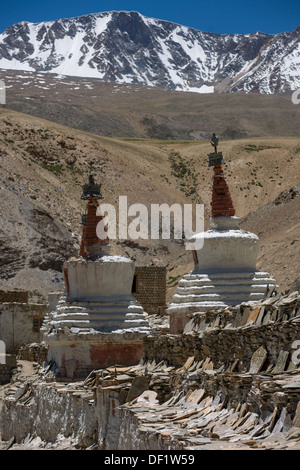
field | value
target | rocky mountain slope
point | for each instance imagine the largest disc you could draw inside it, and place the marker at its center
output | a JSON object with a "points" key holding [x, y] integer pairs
{"points": [[44, 165], [127, 47]]}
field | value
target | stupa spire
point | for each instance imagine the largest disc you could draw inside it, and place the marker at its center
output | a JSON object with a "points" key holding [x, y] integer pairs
{"points": [[221, 204], [91, 244]]}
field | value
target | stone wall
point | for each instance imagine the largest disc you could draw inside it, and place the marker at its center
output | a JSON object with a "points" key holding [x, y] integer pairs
{"points": [[126, 409], [13, 296], [224, 347], [19, 324], [230, 336], [34, 352], [150, 288], [229, 381], [50, 411]]}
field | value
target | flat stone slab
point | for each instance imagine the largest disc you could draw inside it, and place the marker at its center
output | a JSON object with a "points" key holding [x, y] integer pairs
{"points": [[281, 362], [257, 360]]}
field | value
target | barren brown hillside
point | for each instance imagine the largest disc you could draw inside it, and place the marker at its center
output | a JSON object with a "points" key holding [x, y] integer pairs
{"points": [[135, 111], [278, 226], [40, 226]]}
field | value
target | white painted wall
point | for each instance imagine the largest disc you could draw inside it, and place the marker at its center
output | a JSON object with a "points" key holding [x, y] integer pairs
{"points": [[16, 324], [110, 276]]}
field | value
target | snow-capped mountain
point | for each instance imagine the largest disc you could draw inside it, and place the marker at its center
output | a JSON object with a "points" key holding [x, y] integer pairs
{"points": [[126, 47]]}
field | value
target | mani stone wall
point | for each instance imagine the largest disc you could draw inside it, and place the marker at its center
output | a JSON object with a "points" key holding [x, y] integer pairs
{"points": [[230, 336], [149, 288]]}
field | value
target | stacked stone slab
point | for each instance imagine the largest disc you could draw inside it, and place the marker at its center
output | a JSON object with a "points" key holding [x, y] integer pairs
{"points": [[97, 322], [224, 271]]}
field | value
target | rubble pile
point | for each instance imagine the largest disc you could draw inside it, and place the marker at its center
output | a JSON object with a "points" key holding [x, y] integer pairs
{"points": [[34, 352]]}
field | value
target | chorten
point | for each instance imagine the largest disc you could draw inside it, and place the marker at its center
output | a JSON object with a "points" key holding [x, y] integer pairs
{"points": [[97, 322], [224, 271]]}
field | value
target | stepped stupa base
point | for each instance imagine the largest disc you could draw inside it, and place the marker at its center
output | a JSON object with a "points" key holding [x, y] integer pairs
{"points": [[224, 274], [87, 335], [199, 292], [76, 353], [97, 323]]}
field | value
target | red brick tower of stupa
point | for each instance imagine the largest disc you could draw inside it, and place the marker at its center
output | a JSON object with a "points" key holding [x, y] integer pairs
{"points": [[90, 242], [221, 204]]}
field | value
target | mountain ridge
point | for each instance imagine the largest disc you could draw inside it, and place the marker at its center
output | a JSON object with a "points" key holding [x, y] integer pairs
{"points": [[153, 18], [127, 47]]}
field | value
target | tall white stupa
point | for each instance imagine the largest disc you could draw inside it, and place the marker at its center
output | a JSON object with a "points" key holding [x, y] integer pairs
{"points": [[97, 322], [224, 271]]}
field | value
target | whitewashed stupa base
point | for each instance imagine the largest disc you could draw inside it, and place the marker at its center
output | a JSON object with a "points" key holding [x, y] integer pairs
{"points": [[224, 274]]}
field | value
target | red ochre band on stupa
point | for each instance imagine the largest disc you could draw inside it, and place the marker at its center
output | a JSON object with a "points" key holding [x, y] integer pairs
{"points": [[90, 242], [89, 231], [221, 204]]}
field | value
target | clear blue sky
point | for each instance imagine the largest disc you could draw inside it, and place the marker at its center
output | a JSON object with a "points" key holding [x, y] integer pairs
{"points": [[232, 16]]}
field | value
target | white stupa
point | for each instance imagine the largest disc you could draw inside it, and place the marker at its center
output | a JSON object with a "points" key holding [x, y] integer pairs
{"points": [[224, 271], [97, 322]]}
